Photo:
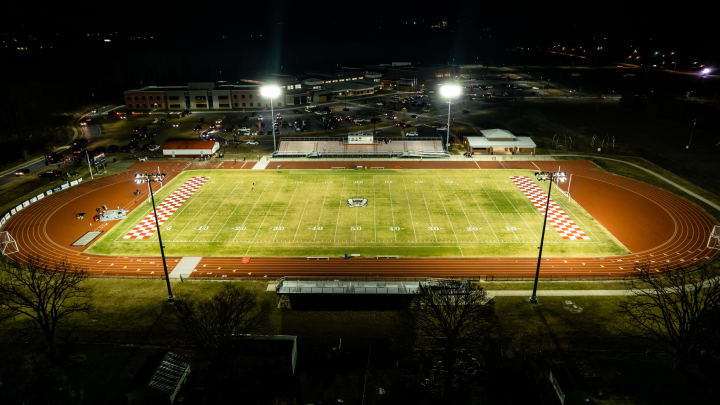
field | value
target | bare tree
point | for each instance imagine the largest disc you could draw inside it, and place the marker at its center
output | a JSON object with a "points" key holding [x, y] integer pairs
{"points": [[212, 324], [457, 313], [46, 292], [674, 308]]}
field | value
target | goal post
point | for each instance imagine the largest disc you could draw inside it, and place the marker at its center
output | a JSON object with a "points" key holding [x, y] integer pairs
{"points": [[714, 240], [8, 245]]}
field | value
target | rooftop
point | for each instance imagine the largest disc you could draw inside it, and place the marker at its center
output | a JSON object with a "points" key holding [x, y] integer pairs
{"points": [[189, 145], [495, 134], [516, 142]]}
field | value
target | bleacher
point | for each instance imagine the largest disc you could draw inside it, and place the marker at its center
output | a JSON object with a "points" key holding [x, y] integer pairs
{"points": [[338, 147]]}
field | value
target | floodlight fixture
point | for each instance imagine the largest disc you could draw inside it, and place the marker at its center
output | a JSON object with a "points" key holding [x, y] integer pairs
{"points": [[271, 92], [449, 91]]}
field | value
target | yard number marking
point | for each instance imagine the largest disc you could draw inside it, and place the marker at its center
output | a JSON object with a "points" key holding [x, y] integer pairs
{"points": [[433, 228], [356, 228], [240, 228], [202, 228]]}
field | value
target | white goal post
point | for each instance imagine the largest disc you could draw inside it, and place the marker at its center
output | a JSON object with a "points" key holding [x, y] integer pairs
{"points": [[714, 240], [8, 245]]}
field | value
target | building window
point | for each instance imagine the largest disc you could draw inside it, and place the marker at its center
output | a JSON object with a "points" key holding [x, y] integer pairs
{"points": [[225, 105], [200, 98], [129, 105], [242, 96], [174, 105], [222, 97], [136, 97], [201, 105], [235, 105], [251, 104], [142, 97], [243, 104], [137, 105], [173, 98], [250, 96], [234, 96], [144, 105]]}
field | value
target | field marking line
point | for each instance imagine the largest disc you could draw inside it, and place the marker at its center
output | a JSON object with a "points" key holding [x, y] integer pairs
{"points": [[357, 192], [322, 207], [482, 212], [250, 212], [412, 222], [267, 211], [536, 166], [217, 208], [442, 202], [302, 214], [476, 164], [237, 205], [374, 211], [518, 212], [190, 201], [507, 224], [392, 212], [566, 206], [462, 207], [292, 196], [432, 226], [337, 221]]}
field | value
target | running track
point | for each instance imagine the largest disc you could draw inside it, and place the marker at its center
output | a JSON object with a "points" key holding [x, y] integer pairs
{"points": [[658, 227]]}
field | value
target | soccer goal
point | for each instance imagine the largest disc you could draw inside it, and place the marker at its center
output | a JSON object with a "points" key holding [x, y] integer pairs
{"points": [[8, 245], [714, 241]]}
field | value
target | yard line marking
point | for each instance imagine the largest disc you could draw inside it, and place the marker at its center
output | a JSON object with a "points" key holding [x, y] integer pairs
{"points": [[507, 224], [560, 221], [302, 214], [445, 209], [339, 208], [147, 226], [250, 243], [412, 222], [517, 211], [187, 223], [482, 212], [286, 209], [462, 207], [432, 226], [374, 203], [217, 209], [536, 166], [392, 212], [238, 204], [250, 212], [322, 207]]}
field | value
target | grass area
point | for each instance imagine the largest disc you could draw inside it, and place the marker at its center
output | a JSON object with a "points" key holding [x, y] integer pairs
{"points": [[408, 213]]}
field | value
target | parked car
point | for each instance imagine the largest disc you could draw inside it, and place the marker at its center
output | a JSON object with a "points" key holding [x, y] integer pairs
{"points": [[153, 148], [176, 125], [252, 143], [197, 128], [412, 133], [22, 171]]}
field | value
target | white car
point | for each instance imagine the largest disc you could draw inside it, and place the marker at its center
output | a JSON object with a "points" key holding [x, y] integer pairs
{"points": [[155, 121], [244, 129], [252, 143], [260, 118], [176, 125], [218, 121], [413, 133]]}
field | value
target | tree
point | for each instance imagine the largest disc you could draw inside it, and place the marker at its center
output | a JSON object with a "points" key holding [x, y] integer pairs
{"points": [[46, 292], [456, 312], [674, 308], [212, 324]]}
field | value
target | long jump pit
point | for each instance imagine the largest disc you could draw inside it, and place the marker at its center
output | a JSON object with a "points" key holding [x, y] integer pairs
{"points": [[654, 227]]}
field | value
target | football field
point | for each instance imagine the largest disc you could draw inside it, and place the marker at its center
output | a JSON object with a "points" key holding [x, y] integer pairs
{"points": [[408, 213]]}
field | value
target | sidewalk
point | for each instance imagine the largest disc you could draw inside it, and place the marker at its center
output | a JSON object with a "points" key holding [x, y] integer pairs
{"points": [[560, 293]]}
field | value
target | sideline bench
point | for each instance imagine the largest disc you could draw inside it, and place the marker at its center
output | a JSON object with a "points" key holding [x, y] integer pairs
{"points": [[318, 258], [387, 257]]}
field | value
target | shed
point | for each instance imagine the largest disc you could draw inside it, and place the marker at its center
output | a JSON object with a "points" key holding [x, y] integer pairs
{"points": [[499, 142], [190, 148]]}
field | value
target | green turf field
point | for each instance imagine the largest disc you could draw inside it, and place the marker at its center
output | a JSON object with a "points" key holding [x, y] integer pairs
{"points": [[409, 213]]}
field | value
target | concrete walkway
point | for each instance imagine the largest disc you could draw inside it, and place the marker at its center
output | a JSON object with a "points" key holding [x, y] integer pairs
{"points": [[560, 293]]}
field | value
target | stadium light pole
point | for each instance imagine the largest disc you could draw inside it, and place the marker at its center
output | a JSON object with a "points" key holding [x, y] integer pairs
{"points": [[271, 91], [449, 91], [158, 178], [543, 176]]}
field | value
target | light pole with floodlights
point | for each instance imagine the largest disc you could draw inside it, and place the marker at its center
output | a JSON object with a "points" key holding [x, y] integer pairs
{"points": [[150, 178], [449, 91], [271, 91], [544, 176]]}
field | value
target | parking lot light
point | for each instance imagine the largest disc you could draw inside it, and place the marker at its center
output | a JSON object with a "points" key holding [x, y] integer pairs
{"points": [[271, 92], [449, 91]]}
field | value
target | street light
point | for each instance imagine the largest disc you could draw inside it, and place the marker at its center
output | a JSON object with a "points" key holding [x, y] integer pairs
{"points": [[150, 178], [545, 176], [449, 91], [271, 91]]}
